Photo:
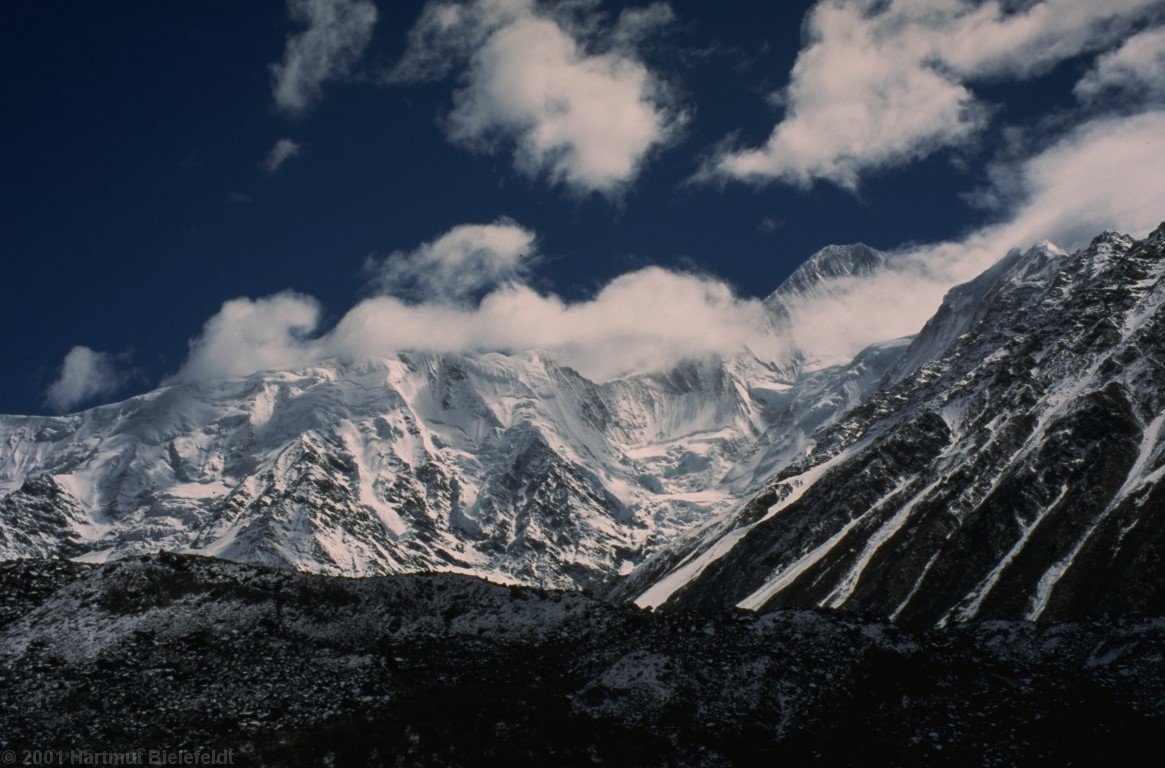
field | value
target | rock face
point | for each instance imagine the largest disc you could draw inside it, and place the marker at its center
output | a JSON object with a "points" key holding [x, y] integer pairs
{"points": [[40, 518], [1009, 466], [285, 668], [510, 467]]}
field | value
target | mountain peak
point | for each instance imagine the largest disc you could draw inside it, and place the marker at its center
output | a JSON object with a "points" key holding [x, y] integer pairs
{"points": [[508, 466], [1110, 236], [816, 274], [830, 263], [1010, 467]]}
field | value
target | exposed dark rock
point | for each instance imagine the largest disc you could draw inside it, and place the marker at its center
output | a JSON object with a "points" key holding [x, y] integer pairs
{"points": [[292, 669], [1010, 467]]}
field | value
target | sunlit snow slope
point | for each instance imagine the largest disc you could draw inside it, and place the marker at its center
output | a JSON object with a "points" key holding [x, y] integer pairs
{"points": [[505, 466]]}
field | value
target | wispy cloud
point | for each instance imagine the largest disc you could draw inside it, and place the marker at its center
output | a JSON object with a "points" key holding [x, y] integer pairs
{"points": [[458, 266], [85, 375], [768, 225], [1106, 174], [572, 100], [284, 150], [336, 34], [881, 83], [1134, 71]]}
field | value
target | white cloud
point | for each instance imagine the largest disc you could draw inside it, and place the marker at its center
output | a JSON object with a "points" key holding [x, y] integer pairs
{"points": [[638, 24], [576, 107], [84, 375], [284, 150], [880, 83], [641, 321], [252, 335], [1136, 69], [459, 265], [337, 33], [1108, 174], [645, 320]]}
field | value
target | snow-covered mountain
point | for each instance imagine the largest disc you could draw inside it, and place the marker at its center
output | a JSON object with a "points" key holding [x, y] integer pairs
{"points": [[1009, 466], [1006, 462], [511, 467], [822, 274], [506, 466]]}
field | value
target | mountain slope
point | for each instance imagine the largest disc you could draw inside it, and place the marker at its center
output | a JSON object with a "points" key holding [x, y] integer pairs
{"points": [[820, 274], [800, 414], [1010, 467], [511, 467]]}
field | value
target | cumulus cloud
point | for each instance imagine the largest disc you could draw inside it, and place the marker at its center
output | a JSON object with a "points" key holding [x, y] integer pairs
{"points": [[85, 374], [574, 105], [1106, 174], [641, 321], [249, 335], [879, 83], [284, 150], [459, 265], [1136, 70], [336, 34]]}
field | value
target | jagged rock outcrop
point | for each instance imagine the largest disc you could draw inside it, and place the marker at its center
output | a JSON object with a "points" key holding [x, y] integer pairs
{"points": [[1010, 466]]}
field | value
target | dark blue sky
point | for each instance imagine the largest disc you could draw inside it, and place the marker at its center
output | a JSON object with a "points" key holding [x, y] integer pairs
{"points": [[132, 201]]}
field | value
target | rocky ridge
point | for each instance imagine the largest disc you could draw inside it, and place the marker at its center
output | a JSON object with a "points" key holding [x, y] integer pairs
{"points": [[1009, 466]]}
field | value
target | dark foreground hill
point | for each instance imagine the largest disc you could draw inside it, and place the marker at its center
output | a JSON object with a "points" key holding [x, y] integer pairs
{"points": [[293, 669]]}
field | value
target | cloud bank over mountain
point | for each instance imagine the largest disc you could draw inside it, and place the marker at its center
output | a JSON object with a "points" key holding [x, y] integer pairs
{"points": [[1104, 174], [464, 291], [641, 321]]}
